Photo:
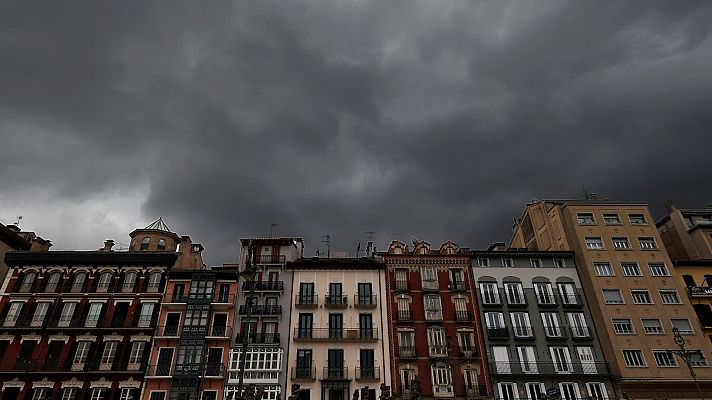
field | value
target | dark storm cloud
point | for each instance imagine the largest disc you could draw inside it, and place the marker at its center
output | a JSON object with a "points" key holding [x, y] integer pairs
{"points": [[437, 120]]}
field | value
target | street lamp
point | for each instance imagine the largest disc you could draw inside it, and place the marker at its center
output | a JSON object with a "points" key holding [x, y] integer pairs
{"points": [[686, 356], [248, 274]]}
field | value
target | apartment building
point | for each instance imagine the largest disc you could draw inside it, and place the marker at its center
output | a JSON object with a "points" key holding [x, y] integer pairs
{"points": [[190, 348], [269, 294], [10, 240], [538, 329], [434, 325], [687, 236], [337, 342], [635, 296], [78, 324]]}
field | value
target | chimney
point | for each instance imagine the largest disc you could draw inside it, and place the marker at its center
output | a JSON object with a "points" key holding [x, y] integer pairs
{"points": [[13, 228], [108, 244], [670, 206]]}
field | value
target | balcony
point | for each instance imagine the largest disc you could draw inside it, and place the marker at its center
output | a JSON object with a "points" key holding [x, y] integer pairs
{"points": [[406, 352], [580, 332], [458, 286], [404, 315], [462, 316], [303, 373], [555, 332], [517, 301], [368, 374], [571, 300], [438, 351], [523, 332], [476, 391], [335, 334], [336, 301], [306, 300], [259, 338], [442, 390], [177, 299], [271, 259], [498, 333], [402, 285], [434, 315], [263, 286], [468, 352], [548, 368], [335, 374], [262, 310], [429, 285], [361, 301], [214, 370], [113, 366], [159, 370], [49, 366]]}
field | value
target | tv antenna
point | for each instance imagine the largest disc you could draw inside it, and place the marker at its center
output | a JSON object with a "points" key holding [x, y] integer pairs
{"points": [[272, 229], [19, 217], [369, 244], [328, 245]]}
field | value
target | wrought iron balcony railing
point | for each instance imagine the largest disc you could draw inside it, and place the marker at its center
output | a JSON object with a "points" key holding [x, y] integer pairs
{"points": [[336, 301], [275, 286], [336, 334], [458, 286], [406, 352], [571, 300], [272, 259], [462, 316], [306, 300], [402, 285], [262, 309], [259, 338], [363, 301], [548, 368], [303, 373], [498, 333], [368, 374], [404, 315], [333, 373]]}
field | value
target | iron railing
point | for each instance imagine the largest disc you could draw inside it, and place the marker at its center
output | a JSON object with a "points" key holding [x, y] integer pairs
{"points": [[368, 374], [336, 334], [330, 373], [306, 300], [364, 301], [261, 309], [548, 368], [336, 300], [303, 373], [263, 285]]}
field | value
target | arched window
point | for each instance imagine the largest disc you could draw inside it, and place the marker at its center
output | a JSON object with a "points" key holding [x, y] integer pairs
{"points": [[53, 282], [144, 243], [27, 281], [79, 280], [162, 244], [129, 281], [154, 281], [104, 281]]}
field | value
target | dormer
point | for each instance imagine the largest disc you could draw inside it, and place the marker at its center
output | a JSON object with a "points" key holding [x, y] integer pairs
{"points": [[397, 247], [449, 247]]}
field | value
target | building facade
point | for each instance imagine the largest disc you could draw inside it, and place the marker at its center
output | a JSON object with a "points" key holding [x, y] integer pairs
{"points": [[337, 343], [635, 296], [538, 328], [78, 324], [270, 295], [434, 325], [12, 238]]}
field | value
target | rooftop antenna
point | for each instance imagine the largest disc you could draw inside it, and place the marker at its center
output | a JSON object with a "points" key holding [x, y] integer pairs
{"points": [[328, 245], [369, 244], [19, 217], [272, 229]]}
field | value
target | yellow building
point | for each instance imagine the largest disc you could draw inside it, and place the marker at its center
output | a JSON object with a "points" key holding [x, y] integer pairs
{"points": [[636, 297]]}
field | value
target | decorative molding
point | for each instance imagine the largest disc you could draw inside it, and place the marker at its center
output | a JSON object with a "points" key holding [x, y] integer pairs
{"points": [[58, 337], [87, 337], [46, 383], [101, 383], [114, 337], [130, 383], [32, 336], [15, 383], [72, 383], [141, 337]]}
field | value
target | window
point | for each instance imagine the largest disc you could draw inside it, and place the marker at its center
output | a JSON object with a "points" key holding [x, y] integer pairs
{"points": [[515, 294], [483, 262], [579, 327], [154, 281], [613, 296], [658, 269], [466, 340], [664, 358], [647, 243], [641, 297], [436, 342], [406, 344], [535, 390], [196, 315], [442, 376], [67, 312], [98, 394], [620, 243], [551, 324], [79, 280], [158, 396], [637, 219], [569, 391], [508, 391], [652, 326], [104, 282], [129, 282], [507, 263], [53, 282], [594, 243], [585, 218], [27, 281], [13, 313], [623, 326], [603, 269], [698, 359], [429, 278], [521, 325], [40, 393], [126, 394], [535, 262], [433, 307], [109, 352], [490, 295], [561, 359], [689, 280], [69, 393], [631, 269], [568, 293], [682, 325], [137, 349], [80, 356], [144, 243], [527, 359], [401, 279], [559, 263], [597, 390], [634, 358], [669, 296], [611, 219], [93, 316], [544, 293], [494, 320], [161, 244], [40, 313], [144, 319]]}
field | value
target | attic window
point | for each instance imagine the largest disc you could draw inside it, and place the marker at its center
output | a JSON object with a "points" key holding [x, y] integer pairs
{"points": [[162, 244], [144, 243]]}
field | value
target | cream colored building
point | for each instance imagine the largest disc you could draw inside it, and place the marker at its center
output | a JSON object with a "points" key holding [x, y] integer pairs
{"points": [[337, 342], [635, 296]]}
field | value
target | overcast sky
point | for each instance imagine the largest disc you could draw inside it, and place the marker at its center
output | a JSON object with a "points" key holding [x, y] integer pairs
{"points": [[430, 119]]}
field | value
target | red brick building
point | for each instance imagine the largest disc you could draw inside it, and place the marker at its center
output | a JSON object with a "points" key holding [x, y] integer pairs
{"points": [[435, 334], [78, 325]]}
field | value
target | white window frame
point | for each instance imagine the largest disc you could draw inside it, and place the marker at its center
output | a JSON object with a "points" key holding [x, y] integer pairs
{"points": [[561, 359], [634, 219], [611, 219], [433, 307], [483, 262], [639, 296], [568, 292], [13, 314], [578, 324], [620, 243], [514, 293], [144, 318], [68, 310], [658, 269], [429, 278], [82, 353], [137, 352], [623, 323], [603, 269], [98, 393], [494, 320], [490, 291], [690, 331], [93, 315], [566, 394], [552, 326], [669, 296], [40, 393], [631, 269], [652, 329], [544, 291], [128, 284], [599, 393], [508, 390], [665, 359], [559, 263], [535, 263], [521, 325], [594, 243], [634, 358], [647, 243], [507, 263], [607, 301], [586, 218]]}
